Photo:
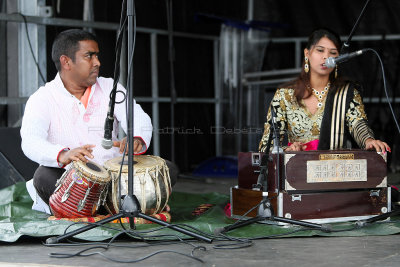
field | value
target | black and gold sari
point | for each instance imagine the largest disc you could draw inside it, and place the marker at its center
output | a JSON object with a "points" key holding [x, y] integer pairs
{"points": [[339, 123]]}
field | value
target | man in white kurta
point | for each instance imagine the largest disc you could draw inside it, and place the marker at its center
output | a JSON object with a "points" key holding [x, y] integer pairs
{"points": [[55, 120], [64, 120]]}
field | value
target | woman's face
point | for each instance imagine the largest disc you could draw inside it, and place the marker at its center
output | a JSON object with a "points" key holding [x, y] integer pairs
{"points": [[317, 55]]}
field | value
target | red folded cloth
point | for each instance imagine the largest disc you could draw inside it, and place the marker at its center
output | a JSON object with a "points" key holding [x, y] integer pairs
{"points": [[312, 145]]}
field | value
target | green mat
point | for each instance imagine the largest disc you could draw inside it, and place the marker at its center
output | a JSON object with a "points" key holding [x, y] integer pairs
{"points": [[17, 219]]}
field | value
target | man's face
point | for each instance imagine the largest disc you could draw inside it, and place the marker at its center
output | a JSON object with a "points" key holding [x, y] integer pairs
{"points": [[85, 69]]}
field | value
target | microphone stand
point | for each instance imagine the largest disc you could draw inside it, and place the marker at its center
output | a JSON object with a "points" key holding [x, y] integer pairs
{"points": [[171, 58], [130, 205], [346, 44], [265, 211]]}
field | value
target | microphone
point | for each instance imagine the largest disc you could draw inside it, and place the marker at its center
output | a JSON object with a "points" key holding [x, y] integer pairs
{"points": [[333, 61], [107, 142]]}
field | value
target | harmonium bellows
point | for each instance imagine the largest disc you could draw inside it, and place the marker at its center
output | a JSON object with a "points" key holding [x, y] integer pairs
{"points": [[319, 186]]}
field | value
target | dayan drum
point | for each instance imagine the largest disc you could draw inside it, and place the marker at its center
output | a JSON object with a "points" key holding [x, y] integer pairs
{"points": [[80, 190], [152, 184]]}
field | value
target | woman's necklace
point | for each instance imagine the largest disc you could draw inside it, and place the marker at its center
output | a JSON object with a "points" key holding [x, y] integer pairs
{"points": [[321, 95]]}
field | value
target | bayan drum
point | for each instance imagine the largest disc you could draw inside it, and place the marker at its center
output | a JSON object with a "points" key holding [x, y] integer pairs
{"points": [[80, 190], [152, 184]]}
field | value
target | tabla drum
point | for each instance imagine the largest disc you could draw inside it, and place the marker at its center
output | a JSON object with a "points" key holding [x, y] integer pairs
{"points": [[80, 190], [152, 183]]}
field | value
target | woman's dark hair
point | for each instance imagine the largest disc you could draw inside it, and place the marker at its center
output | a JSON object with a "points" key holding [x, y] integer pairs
{"points": [[67, 43], [301, 84]]}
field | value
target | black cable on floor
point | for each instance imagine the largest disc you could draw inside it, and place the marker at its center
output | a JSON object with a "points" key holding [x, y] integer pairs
{"points": [[81, 254]]}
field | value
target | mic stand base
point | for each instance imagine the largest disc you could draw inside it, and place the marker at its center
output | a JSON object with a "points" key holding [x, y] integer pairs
{"points": [[383, 216], [131, 209], [267, 211]]}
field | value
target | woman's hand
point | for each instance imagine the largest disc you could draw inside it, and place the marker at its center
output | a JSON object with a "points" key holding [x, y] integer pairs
{"points": [[378, 145], [296, 146]]}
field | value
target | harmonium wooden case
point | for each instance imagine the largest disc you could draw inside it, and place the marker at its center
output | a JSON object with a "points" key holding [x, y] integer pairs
{"points": [[316, 186]]}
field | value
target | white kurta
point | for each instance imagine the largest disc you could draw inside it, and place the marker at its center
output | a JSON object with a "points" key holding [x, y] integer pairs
{"points": [[54, 120]]}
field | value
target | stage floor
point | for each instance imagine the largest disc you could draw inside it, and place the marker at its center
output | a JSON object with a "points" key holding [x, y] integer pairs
{"points": [[300, 251]]}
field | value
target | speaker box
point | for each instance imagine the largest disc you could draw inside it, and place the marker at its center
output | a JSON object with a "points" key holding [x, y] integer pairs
{"points": [[14, 165]]}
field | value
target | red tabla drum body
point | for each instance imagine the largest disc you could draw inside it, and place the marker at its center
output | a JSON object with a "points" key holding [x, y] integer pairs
{"points": [[80, 190]]}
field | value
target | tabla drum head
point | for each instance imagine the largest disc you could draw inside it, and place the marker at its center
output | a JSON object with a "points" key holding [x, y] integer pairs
{"points": [[139, 161], [92, 170]]}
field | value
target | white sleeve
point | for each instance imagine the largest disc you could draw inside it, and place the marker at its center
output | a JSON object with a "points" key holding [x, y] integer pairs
{"points": [[143, 127], [34, 133]]}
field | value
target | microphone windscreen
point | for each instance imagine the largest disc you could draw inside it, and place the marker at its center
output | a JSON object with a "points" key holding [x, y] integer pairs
{"points": [[107, 143], [330, 62]]}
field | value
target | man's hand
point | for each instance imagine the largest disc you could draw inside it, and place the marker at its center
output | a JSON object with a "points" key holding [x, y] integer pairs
{"points": [[80, 153], [137, 145]]}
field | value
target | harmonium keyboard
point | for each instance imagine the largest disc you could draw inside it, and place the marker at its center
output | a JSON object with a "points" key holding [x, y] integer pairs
{"points": [[316, 186]]}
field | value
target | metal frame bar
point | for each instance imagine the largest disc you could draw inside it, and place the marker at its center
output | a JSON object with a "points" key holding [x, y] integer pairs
{"points": [[154, 93], [96, 25], [13, 100], [271, 73], [218, 103]]}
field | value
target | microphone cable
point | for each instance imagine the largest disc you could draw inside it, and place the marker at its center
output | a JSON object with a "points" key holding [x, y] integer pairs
{"points": [[30, 47], [385, 87], [108, 124]]}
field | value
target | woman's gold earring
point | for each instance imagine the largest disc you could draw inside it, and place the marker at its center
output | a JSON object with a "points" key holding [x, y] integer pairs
{"points": [[306, 67], [336, 72]]}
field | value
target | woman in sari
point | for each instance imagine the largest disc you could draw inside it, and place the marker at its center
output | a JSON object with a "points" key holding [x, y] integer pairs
{"points": [[319, 110]]}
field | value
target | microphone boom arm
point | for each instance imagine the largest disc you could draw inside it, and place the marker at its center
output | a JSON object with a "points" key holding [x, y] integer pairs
{"points": [[346, 44]]}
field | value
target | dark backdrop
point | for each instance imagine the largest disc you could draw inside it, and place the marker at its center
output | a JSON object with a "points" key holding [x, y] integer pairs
{"points": [[193, 66]]}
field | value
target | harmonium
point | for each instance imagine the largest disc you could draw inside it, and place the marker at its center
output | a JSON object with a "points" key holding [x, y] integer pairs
{"points": [[315, 186]]}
